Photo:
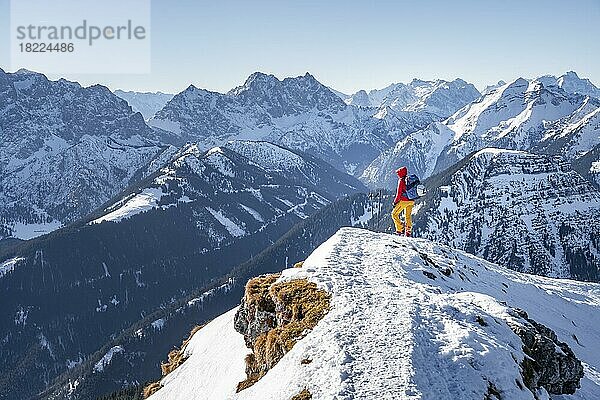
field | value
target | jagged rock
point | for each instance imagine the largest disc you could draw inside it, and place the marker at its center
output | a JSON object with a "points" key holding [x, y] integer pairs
{"points": [[549, 363], [256, 314], [253, 325]]}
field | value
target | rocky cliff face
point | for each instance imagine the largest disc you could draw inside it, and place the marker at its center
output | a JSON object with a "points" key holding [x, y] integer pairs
{"points": [[273, 316], [528, 212], [550, 363]]}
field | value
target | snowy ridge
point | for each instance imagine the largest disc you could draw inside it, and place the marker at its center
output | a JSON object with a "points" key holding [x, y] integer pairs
{"points": [[409, 319], [295, 165], [439, 97], [540, 116], [266, 191], [144, 201]]}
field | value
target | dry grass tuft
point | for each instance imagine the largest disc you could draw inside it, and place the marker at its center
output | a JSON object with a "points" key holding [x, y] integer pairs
{"points": [[151, 389], [175, 358], [303, 395], [300, 306], [299, 264], [257, 293]]}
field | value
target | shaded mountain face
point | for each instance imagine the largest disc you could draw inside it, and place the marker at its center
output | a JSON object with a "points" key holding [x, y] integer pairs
{"points": [[531, 213], [439, 97], [147, 340], [65, 150], [418, 152], [520, 115], [146, 103], [298, 113], [410, 317], [297, 166], [195, 219]]}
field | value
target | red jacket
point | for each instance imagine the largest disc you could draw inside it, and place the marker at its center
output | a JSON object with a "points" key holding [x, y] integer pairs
{"points": [[401, 192]]}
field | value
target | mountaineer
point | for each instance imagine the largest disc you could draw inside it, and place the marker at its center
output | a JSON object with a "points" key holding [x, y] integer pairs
{"points": [[409, 189]]}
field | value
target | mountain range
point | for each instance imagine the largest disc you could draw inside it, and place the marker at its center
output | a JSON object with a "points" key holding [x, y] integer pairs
{"points": [[153, 212], [65, 150], [301, 113], [538, 115]]}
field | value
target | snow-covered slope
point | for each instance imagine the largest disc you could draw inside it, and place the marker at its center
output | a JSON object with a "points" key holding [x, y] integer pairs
{"points": [[574, 135], [513, 116], [146, 103], [409, 319], [439, 97], [298, 113], [528, 212], [65, 150], [204, 183]]}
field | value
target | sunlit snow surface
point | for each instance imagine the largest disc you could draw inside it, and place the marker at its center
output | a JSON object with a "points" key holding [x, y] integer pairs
{"points": [[144, 201], [215, 366], [107, 358], [9, 265], [394, 333]]}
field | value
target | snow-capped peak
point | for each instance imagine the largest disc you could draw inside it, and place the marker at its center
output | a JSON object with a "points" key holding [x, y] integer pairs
{"points": [[571, 83]]}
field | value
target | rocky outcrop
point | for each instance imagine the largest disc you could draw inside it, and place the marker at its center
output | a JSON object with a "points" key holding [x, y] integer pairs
{"points": [[549, 363], [273, 316]]}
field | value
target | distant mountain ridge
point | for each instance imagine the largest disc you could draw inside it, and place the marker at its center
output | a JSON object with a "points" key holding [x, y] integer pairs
{"points": [[146, 103], [520, 115], [438, 97], [303, 114], [64, 150]]}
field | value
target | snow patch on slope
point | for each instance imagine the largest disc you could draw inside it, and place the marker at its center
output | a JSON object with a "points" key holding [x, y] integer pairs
{"points": [[233, 229], [144, 201], [9, 265], [107, 358]]}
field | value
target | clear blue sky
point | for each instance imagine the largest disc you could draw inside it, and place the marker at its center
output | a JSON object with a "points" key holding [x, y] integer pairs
{"points": [[351, 45]]}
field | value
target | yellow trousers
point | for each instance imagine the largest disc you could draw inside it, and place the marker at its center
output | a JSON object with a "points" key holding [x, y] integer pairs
{"points": [[407, 207]]}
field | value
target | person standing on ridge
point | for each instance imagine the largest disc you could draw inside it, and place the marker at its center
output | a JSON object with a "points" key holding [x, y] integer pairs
{"points": [[402, 203]]}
